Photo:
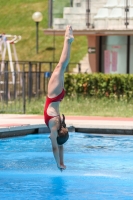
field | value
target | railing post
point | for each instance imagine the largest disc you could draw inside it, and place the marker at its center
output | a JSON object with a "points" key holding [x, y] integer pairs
{"points": [[6, 83], [23, 91], [15, 82], [79, 67], [46, 80], [50, 13], [50, 66], [30, 81], [71, 3], [35, 78], [39, 79], [88, 14]]}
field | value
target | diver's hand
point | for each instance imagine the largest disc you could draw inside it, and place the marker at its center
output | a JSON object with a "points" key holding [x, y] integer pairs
{"points": [[61, 167]]}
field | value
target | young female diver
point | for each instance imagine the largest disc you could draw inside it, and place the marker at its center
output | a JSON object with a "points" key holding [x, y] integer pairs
{"points": [[58, 131]]}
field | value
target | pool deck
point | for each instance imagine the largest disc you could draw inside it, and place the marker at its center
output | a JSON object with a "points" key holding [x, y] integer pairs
{"points": [[9, 123]]}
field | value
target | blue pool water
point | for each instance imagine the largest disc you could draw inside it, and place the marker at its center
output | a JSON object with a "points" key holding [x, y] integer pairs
{"points": [[98, 167]]}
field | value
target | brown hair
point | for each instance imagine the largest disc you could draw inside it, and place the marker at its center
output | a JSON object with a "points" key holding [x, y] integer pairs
{"points": [[62, 132]]}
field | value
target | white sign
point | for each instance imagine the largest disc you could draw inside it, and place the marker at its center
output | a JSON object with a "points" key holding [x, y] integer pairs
{"points": [[91, 50]]}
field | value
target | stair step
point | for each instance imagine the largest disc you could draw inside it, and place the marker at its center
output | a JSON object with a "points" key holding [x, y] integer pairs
{"points": [[84, 66]]}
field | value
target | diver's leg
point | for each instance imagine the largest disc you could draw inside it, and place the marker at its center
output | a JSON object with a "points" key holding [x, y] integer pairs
{"points": [[56, 82]]}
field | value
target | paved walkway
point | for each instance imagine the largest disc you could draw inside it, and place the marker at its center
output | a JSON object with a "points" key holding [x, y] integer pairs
{"points": [[9, 120]]}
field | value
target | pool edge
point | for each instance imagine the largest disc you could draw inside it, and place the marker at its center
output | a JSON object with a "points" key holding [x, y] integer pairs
{"points": [[42, 128]]}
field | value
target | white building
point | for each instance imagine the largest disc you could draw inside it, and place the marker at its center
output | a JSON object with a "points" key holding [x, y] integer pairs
{"points": [[108, 26]]}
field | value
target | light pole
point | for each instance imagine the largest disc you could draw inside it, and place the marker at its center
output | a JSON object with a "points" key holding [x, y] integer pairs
{"points": [[37, 17]]}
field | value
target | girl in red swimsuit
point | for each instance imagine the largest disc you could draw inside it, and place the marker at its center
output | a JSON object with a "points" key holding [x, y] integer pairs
{"points": [[56, 92]]}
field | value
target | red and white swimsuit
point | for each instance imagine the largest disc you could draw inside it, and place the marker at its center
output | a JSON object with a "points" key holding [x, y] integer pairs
{"points": [[49, 101]]}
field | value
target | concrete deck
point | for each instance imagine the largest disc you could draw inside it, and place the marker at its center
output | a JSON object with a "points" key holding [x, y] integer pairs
{"points": [[12, 125]]}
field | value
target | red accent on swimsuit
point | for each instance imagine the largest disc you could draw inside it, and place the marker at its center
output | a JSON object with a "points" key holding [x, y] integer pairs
{"points": [[50, 100]]}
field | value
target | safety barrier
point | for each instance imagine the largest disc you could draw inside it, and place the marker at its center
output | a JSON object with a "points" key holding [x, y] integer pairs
{"points": [[18, 87]]}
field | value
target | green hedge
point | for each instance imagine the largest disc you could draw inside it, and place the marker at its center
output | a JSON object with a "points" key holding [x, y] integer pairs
{"points": [[100, 85]]}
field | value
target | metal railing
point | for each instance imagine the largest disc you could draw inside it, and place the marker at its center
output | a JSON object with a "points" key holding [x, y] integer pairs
{"points": [[92, 13], [18, 87]]}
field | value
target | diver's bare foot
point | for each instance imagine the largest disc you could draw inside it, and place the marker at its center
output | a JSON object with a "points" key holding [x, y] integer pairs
{"points": [[69, 34]]}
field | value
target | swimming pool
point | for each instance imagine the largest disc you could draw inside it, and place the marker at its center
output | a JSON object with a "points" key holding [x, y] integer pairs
{"points": [[98, 167]]}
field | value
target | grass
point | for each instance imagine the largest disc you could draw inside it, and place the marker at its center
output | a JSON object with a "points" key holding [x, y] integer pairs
{"points": [[16, 19], [97, 107], [87, 107], [79, 107]]}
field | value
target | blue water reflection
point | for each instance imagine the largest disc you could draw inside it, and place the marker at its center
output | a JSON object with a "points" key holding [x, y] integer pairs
{"points": [[98, 167]]}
